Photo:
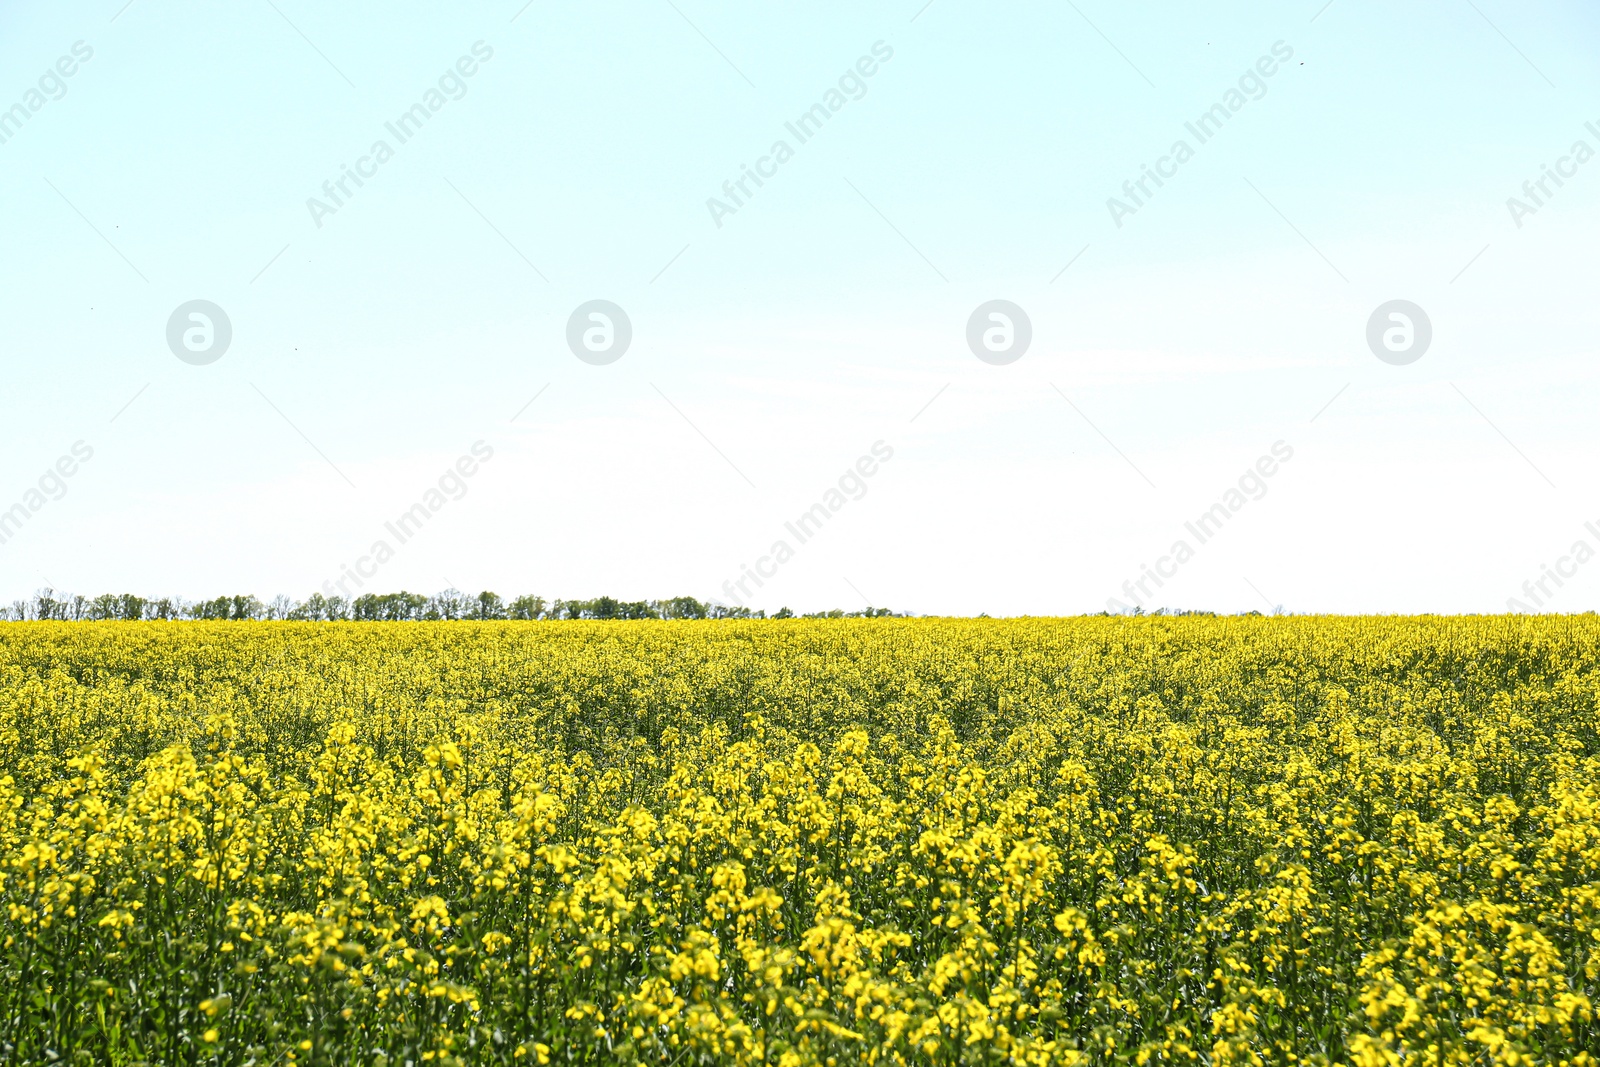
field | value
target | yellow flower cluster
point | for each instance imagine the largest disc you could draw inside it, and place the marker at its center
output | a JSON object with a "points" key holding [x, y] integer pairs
{"points": [[1091, 841]]}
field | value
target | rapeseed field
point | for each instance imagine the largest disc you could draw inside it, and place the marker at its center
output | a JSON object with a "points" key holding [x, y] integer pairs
{"points": [[1091, 841]]}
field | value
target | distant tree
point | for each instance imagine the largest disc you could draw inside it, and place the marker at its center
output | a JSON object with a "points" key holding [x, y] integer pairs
{"points": [[389, 607], [526, 607], [450, 604], [683, 607], [47, 604], [606, 607], [725, 611], [47, 608], [228, 608], [489, 606], [318, 608], [125, 606]]}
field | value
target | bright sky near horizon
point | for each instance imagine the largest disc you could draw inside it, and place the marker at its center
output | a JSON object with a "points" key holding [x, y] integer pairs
{"points": [[1295, 302]]}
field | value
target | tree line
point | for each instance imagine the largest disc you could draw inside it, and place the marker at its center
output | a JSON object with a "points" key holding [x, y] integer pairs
{"points": [[49, 605]]}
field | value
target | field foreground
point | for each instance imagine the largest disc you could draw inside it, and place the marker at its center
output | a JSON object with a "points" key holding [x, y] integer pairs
{"points": [[1364, 841]]}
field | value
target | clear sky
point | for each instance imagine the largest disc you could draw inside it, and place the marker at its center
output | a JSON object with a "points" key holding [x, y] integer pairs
{"points": [[560, 153]]}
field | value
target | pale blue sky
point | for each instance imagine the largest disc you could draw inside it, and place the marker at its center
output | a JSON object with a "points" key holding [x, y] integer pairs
{"points": [[821, 317]]}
